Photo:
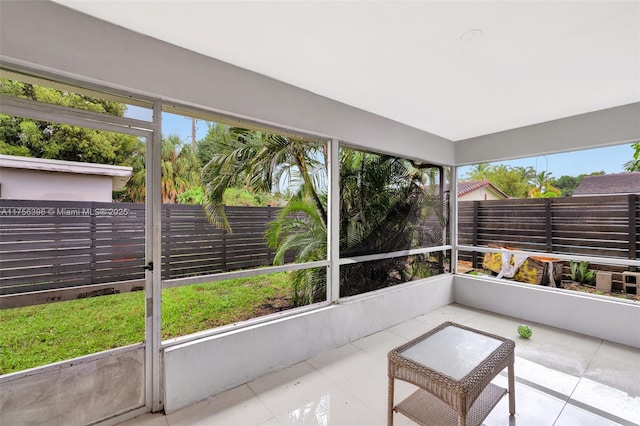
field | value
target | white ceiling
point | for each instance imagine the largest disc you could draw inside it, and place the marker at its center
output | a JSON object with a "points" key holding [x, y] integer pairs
{"points": [[411, 61]]}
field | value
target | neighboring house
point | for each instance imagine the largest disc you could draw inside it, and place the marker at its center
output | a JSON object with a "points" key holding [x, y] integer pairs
{"points": [[479, 190], [476, 190], [25, 178], [613, 184]]}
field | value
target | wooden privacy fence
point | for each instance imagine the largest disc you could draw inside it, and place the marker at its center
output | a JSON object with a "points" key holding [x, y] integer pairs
{"points": [[604, 226], [57, 244]]}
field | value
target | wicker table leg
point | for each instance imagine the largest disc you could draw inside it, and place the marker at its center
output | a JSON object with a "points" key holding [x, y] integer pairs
{"points": [[512, 390], [390, 403], [462, 420]]}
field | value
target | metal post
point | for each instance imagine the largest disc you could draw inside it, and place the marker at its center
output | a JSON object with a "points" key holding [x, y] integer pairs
{"points": [[153, 259], [453, 217], [333, 222], [440, 255]]}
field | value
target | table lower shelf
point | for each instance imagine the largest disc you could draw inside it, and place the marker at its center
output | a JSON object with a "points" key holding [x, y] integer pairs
{"points": [[425, 409]]}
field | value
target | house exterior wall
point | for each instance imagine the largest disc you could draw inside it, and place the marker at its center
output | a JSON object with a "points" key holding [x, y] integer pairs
{"points": [[480, 194], [24, 184]]}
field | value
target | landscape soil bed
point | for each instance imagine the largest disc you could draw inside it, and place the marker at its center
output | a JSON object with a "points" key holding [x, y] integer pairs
{"points": [[572, 285]]}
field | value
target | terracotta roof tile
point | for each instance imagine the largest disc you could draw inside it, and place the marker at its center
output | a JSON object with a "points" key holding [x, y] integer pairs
{"points": [[465, 187]]}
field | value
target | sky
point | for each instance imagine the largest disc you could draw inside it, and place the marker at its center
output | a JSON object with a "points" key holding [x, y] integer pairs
{"points": [[181, 126], [608, 159]]}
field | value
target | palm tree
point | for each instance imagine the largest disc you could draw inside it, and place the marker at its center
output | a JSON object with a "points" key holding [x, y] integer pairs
{"points": [[299, 229], [382, 207], [479, 171], [263, 162], [135, 189], [542, 186], [634, 164], [180, 171], [208, 146]]}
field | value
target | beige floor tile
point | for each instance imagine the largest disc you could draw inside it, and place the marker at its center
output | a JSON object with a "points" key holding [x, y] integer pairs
{"points": [[372, 388], [288, 389], [334, 407], [615, 374], [453, 313], [411, 329], [271, 422], [343, 363], [496, 324], [379, 344], [563, 379], [148, 420], [236, 407], [533, 408], [608, 399], [618, 353], [576, 416], [544, 377], [559, 350]]}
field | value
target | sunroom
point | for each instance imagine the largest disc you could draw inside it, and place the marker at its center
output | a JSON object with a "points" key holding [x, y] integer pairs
{"points": [[435, 86]]}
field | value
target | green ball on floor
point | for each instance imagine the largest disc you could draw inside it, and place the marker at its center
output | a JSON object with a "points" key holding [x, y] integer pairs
{"points": [[525, 331]]}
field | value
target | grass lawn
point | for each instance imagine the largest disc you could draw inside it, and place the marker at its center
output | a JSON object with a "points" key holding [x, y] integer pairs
{"points": [[37, 335]]}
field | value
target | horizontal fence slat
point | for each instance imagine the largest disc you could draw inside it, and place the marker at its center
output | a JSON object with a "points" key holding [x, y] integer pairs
{"points": [[53, 244], [590, 226]]}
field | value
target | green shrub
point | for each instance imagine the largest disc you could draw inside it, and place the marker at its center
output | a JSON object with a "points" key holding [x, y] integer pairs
{"points": [[581, 273]]}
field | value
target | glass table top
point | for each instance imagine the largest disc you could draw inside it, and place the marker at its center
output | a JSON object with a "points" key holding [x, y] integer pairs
{"points": [[452, 351]]}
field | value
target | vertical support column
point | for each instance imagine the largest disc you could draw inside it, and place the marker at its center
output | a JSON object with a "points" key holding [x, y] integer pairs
{"points": [[440, 254], [153, 286], [333, 222], [453, 216]]}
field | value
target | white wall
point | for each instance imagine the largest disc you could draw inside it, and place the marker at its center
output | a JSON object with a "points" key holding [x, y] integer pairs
{"points": [[41, 185], [76, 45], [598, 316], [198, 369], [75, 392], [602, 128]]}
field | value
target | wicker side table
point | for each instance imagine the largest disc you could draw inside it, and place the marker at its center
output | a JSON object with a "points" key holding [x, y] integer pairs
{"points": [[452, 365]]}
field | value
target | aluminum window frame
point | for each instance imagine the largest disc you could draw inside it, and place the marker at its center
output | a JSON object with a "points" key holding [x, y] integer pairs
{"points": [[149, 131]]}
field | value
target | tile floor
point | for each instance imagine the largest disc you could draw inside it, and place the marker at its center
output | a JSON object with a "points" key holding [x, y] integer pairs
{"points": [[562, 379]]}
